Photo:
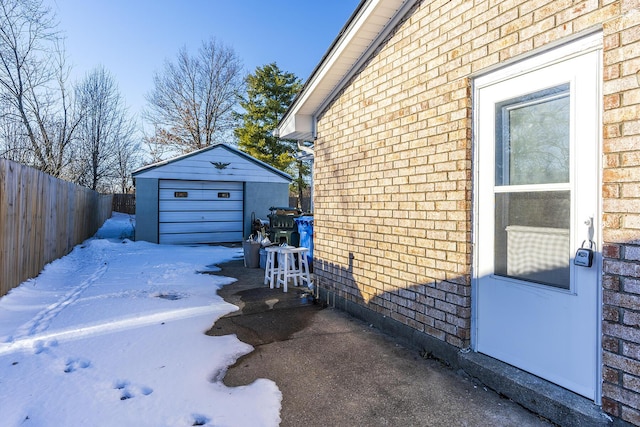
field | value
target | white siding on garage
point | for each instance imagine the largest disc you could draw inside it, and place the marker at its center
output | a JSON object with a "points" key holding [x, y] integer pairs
{"points": [[219, 163], [200, 211]]}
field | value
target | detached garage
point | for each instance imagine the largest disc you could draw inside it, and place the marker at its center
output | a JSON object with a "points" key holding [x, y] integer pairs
{"points": [[208, 196]]}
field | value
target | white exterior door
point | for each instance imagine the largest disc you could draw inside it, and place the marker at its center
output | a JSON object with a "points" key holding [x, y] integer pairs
{"points": [[200, 211], [537, 200]]}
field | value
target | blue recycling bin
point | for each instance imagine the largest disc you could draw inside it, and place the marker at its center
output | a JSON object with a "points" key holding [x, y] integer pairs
{"points": [[305, 229]]}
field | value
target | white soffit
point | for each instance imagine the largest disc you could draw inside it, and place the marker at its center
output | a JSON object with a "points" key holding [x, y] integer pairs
{"points": [[361, 35]]}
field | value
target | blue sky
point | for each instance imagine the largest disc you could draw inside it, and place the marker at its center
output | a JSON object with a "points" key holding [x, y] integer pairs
{"points": [[133, 38]]}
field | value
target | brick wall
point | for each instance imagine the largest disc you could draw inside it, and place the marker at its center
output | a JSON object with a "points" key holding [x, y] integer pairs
{"points": [[621, 201], [393, 170]]}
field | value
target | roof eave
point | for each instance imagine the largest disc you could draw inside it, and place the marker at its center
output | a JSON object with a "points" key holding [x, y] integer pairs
{"points": [[296, 126], [367, 28]]}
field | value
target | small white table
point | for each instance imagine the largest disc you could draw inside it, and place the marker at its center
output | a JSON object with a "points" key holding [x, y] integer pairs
{"points": [[270, 272], [286, 270]]}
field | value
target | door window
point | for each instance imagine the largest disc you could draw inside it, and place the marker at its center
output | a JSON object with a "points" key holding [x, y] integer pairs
{"points": [[532, 188]]}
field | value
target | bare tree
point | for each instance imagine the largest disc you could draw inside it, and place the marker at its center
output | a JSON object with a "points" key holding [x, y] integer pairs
{"points": [[13, 143], [104, 145], [31, 59], [127, 159], [192, 102], [156, 149]]}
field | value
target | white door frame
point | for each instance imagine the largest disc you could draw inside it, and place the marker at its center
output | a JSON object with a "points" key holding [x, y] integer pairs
{"points": [[550, 56]]}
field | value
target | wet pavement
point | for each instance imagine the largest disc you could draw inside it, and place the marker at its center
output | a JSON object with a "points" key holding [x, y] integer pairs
{"points": [[266, 317], [333, 369]]}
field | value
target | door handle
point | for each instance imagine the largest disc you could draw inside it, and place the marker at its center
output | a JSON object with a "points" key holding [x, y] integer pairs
{"points": [[590, 230]]}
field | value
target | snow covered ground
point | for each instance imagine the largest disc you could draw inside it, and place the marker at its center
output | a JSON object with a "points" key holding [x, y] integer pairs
{"points": [[113, 335]]}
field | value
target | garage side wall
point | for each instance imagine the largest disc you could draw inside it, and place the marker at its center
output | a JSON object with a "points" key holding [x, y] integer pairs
{"points": [[147, 209], [259, 197]]}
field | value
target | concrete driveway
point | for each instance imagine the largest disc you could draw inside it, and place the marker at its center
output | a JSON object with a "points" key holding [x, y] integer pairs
{"points": [[334, 370]]}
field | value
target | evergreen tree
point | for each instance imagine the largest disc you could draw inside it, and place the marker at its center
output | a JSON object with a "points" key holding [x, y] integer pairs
{"points": [[270, 91]]}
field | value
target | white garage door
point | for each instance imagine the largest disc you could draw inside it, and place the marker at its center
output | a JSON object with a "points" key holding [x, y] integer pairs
{"points": [[200, 212]]}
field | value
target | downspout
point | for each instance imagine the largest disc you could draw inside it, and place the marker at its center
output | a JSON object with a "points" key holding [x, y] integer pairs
{"points": [[310, 155], [305, 149]]}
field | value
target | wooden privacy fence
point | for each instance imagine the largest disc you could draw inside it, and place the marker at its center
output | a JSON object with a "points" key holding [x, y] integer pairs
{"points": [[125, 203], [41, 219]]}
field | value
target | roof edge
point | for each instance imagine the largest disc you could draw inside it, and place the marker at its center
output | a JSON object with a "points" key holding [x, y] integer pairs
{"points": [[367, 15], [211, 147]]}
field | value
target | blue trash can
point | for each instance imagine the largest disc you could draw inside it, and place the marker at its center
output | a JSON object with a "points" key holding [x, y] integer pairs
{"points": [[305, 229]]}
